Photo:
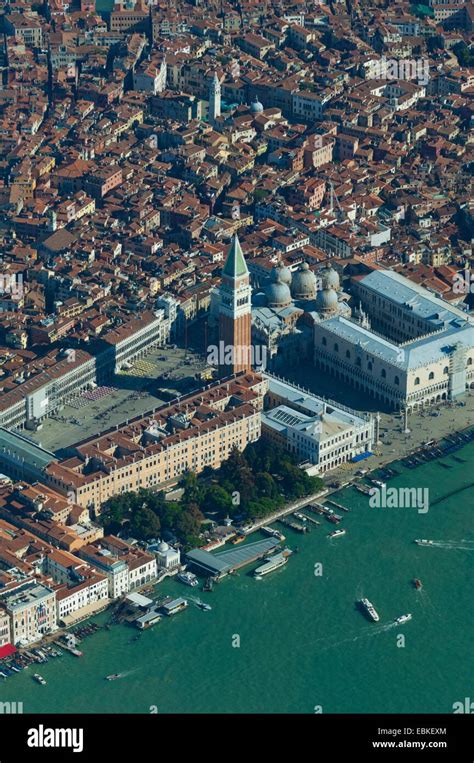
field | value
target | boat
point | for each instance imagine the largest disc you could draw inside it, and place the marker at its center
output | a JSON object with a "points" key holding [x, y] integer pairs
{"points": [[208, 585], [418, 584], [379, 483], [403, 619], [369, 608], [113, 676], [423, 542], [204, 606], [188, 578], [39, 679], [336, 533], [272, 564], [274, 533], [238, 539]]}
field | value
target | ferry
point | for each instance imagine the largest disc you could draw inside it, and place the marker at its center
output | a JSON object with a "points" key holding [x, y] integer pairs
{"points": [[113, 677], [336, 533], [369, 608], [188, 578], [403, 619], [418, 584], [423, 542], [270, 565], [39, 679]]}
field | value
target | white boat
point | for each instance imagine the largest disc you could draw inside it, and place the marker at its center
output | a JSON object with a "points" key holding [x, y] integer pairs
{"points": [[274, 533], [188, 578], [336, 533], [39, 679], [403, 619], [369, 608], [270, 565], [423, 542]]}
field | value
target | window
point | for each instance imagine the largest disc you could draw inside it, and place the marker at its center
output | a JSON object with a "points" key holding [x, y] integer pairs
{"points": [[336, 347], [348, 354], [397, 380], [469, 361], [369, 365], [358, 362], [383, 373], [324, 341], [417, 380], [431, 376], [446, 369]]}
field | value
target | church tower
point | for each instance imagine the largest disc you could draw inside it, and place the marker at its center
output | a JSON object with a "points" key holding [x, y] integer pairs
{"points": [[214, 99], [235, 314]]}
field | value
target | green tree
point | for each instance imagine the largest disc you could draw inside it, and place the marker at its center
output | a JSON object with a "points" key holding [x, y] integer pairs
{"points": [[144, 524], [216, 498]]}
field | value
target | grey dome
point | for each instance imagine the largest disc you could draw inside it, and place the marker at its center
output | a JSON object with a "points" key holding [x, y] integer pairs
{"points": [[281, 272], [163, 547], [303, 283], [330, 278], [256, 107], [278, 294], [326, 301]]}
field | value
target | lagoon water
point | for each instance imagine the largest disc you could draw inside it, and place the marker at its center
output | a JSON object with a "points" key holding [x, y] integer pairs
{"points": [[303, 643]]}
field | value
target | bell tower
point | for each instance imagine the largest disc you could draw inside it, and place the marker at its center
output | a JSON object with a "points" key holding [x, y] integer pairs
{"points": [[235, 313]]}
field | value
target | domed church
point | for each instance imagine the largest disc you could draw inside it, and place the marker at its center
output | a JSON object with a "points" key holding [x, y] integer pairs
{"points": [[291, 303]]}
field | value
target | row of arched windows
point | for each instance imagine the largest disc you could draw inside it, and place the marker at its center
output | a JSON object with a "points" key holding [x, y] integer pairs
{"points": [[383, 372]]}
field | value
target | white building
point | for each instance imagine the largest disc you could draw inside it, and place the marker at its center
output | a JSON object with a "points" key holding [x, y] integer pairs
{"points": [[4, 628], [92, 591], [167, 558], [313, 429], [422, 353], [150, 78], [32, 610]]}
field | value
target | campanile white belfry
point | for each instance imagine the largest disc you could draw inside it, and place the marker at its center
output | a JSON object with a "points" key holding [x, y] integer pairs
{"points": [[214, 98]]}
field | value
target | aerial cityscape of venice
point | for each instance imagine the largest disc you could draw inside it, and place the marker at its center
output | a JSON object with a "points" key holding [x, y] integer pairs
{"points": [[236, 359]]}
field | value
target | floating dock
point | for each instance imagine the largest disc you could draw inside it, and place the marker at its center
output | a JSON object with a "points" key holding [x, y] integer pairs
{"points": [[294, 525], [338, 505], [312, 520]]}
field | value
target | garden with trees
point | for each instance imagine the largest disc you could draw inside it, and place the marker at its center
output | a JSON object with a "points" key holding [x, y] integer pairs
{"points": [[248, 486]]}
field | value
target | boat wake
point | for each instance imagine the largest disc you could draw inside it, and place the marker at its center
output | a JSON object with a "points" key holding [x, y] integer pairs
{"points": [[461, 545], [367, 632]]}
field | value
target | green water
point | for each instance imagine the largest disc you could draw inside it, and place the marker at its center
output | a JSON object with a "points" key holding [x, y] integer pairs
{"points": [[302, 641], [104, 5]]}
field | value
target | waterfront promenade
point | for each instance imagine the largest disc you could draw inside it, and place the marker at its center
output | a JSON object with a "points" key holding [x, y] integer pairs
{"points": [[423, 426]]}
